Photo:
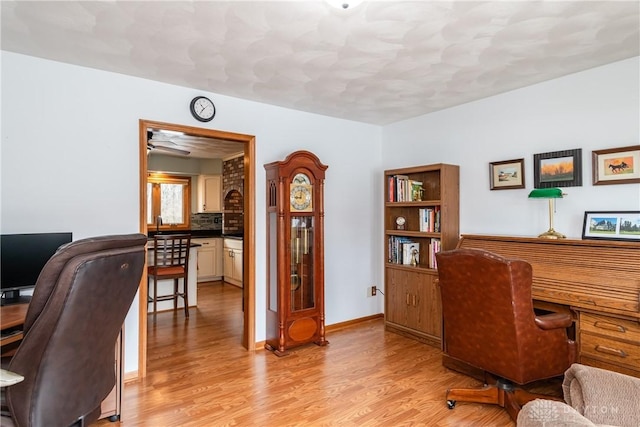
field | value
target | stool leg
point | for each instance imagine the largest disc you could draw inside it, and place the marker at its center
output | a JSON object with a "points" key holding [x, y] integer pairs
{"points": [[155, 294], [175, 294], [186, 297]]}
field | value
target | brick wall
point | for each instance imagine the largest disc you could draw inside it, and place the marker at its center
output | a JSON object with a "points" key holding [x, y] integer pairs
{"points": [[233, 190]]}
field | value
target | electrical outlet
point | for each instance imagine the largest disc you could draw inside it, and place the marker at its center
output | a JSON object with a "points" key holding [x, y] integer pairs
{"points": [[374, 290]]}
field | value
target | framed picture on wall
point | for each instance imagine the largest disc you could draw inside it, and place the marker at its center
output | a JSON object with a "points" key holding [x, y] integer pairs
{"points": [[616, 165], [558, 169], [612, 225], [506, 175]]}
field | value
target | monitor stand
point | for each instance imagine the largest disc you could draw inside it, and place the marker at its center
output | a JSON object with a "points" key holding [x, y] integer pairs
{"points": [[14, 297]]}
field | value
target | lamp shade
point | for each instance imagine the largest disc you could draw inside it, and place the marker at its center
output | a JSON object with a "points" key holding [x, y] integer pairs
{"points": [[546, 193]]}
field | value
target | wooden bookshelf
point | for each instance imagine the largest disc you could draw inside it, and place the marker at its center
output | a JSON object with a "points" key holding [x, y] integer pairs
{"points": [[427, 198]]}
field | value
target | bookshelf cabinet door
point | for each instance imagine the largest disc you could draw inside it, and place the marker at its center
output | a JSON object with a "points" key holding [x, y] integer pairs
{"points": [[428, 311], [398, 297]]}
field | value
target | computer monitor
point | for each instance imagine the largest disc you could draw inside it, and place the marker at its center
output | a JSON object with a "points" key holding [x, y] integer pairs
{"points": [[22, 258]]}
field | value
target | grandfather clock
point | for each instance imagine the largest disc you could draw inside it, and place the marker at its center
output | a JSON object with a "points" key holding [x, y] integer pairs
{"points": [[295, 252]]}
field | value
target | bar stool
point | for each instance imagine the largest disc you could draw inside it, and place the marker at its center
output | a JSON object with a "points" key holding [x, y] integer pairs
{"points": [[170, 261]]}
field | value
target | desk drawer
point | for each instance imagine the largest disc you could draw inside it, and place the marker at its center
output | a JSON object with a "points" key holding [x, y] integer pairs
{"points": [[610, 350], [610, 326]]}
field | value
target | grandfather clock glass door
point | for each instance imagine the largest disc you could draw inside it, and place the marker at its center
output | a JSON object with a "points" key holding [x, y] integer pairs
{"points": [[302, 295], [295, 218]]}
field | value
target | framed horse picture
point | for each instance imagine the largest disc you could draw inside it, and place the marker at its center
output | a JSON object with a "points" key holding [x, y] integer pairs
{"points": [[616, 165]]}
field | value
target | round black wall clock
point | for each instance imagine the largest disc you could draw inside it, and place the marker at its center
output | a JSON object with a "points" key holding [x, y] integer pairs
{"points": [[202, 109]]}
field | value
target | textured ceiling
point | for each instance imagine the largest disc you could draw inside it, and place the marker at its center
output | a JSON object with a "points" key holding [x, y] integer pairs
{"points": [[378, 63]]}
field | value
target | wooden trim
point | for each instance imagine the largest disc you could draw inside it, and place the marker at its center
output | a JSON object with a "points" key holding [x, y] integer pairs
{"points": [[248, 142], [130, 377], [249, 242], [336, 326], [341, 325]]}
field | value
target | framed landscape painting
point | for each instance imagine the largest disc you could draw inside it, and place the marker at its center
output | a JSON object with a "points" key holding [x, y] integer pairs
{"points": [[507, 174], [558, 169], [616, 165], [612, 225]]}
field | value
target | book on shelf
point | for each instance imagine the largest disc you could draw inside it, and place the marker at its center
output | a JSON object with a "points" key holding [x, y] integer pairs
{"points": [[434, 248], [403, 189], [400, 250], [429, 219], [416, 191], [402, 182]]}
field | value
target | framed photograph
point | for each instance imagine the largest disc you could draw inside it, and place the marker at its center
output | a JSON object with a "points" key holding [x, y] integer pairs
{"points": [[616, 165], [612, 225], [506, 175], [558, 169]]}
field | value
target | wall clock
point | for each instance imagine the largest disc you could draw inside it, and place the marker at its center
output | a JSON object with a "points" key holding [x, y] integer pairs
{"points": [[202, 109], [295, 254]]}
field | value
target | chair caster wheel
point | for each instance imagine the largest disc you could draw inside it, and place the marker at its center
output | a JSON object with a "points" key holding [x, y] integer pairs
{"points": [[114, 418], [451, 404]]}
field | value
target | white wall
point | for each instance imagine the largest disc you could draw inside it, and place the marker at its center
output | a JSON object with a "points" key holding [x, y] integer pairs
{"points": [[70, 162], [591, 110]]}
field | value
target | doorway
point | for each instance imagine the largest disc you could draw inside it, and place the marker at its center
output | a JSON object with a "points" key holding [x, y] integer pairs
{"points": [[248, 147]]}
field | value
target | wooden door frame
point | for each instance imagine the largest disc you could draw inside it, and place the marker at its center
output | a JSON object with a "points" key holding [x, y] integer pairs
{"points": [[248, 141]]}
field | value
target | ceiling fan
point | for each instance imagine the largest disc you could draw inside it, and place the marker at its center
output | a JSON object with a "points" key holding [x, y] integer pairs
{"points": [[155, 146]]}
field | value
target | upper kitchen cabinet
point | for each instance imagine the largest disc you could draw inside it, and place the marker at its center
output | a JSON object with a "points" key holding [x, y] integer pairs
{"points": [[209, 193]]}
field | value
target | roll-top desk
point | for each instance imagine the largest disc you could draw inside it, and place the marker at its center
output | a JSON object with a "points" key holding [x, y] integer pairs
{"points": [[598, 281]]}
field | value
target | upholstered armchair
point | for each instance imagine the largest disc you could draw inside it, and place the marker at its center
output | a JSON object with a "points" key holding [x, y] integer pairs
{"points": [[78, 307], [594, 397], [490, 325]]}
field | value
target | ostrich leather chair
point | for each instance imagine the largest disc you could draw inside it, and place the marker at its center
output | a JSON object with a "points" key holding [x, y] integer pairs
{"points": [[76, 312], [490, 325]]}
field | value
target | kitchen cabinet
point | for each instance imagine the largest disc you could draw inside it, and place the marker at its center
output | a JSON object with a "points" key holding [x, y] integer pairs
{"points": [[210, 253], [233, 261], [209, 193]]}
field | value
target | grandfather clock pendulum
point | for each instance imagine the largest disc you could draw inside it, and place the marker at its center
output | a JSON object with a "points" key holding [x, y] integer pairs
{"points": [[295, 253]]}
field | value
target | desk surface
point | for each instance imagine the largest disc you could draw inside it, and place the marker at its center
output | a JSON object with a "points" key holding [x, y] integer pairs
{"points": [[12, 315]]}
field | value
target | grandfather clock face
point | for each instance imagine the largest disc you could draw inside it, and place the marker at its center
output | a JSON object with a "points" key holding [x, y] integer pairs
{"points": [[301, 194]]}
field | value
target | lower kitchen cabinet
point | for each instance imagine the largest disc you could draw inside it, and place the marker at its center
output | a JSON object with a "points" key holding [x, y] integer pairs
{"points": [[210, 264], [233, 261]]}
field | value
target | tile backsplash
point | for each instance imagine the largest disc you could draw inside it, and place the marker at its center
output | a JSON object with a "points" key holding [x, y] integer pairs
{"points": [[206, 221]]}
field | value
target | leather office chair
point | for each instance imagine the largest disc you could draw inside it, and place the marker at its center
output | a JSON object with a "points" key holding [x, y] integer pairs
{"points": [[170, 261], [489, 324], [76, 312]]}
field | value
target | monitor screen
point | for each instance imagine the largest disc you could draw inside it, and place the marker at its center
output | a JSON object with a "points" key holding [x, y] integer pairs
{"points": [[24, 255]]}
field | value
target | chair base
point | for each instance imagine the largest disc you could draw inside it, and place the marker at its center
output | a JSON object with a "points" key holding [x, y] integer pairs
{"points": [[503, 393], [170, 297]]}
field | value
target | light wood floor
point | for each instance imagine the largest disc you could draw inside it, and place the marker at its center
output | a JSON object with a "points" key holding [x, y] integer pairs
{"points": [[199, 375]]}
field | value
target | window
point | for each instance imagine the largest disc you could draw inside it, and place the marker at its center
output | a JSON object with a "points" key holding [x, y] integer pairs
{"points": [[168, 196]]}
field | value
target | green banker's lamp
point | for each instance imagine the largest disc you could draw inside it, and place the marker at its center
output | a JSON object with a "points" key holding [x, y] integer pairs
{"points": [[551, 194]]}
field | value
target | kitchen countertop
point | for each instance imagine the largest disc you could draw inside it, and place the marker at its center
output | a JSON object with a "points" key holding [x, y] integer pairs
{"points": [[194, 233], [233, 236]]}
